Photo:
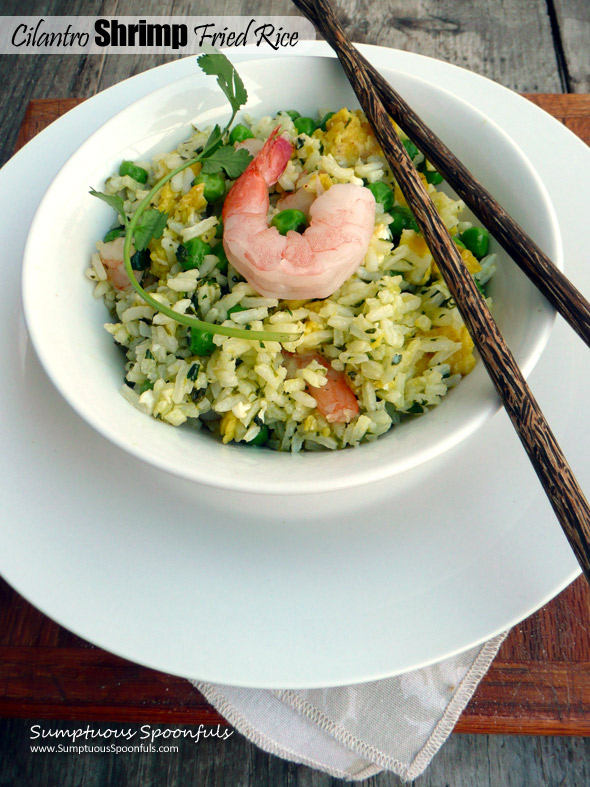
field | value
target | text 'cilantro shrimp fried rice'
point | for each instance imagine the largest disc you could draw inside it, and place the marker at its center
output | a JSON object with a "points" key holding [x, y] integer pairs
{"points": [[386, 342]]}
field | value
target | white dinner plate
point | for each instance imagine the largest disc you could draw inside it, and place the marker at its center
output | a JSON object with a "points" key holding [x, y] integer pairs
{"points": [[279, 591]]}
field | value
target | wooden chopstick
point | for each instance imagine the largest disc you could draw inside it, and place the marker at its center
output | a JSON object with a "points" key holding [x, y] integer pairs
{"points": [[561, 487], [546, 276]]}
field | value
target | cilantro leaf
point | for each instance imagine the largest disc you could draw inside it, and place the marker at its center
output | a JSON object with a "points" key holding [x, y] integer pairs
{"points": [[228, 78], [115, 202], [214, 141], [233, 161], [151, 226]]}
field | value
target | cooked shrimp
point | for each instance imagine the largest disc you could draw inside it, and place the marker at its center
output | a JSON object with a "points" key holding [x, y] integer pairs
{"points": [[111, 255], [335, 400], [309, 265], [302, 200]]}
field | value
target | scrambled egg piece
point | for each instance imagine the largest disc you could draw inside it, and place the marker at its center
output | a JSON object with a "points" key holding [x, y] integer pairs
{"points": [[348, 137], [417, 244], [310, 327], [181, 207], [399, 196], [310, 423], [470, 261], [227, 427], [167, 198], [192, 201], [462, 361], [293, 304]]}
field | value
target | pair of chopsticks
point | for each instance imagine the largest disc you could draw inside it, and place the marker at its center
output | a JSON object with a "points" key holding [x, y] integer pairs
{"points": [[379, 101]]}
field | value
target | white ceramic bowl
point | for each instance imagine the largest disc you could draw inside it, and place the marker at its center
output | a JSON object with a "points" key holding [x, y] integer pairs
{"points": [[65, 322]]}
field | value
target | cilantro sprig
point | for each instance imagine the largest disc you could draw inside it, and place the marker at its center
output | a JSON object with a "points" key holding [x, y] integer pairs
{"points": [[147, 223], [152, 225], [233, 161], [228, 80]]}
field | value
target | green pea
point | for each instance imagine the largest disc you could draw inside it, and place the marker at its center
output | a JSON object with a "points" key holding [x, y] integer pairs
{"points": [[261, 437], [201, 342], [214, 186], [459, 242], [236, 308], [219, 252], [432, 176], [115, 232], [293, 114], [382, 194], [477, 240], [411, 148], [219, 229], [239, 133], [325, 119], [305, 125], [403, 219], [140, 260], [137, 173], [191, 254], [289, 220]]}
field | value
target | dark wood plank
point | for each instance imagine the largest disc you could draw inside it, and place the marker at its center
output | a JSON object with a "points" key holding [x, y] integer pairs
{"points": [[505, 40], [464, 761], [492, 38], [572, 19]]}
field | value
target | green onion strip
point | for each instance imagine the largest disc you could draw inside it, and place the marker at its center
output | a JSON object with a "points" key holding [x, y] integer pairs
{"points": [[185, 319]]}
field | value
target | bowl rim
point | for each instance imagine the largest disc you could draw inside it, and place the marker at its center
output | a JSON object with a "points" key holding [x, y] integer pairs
{"points": [[311, 485]]}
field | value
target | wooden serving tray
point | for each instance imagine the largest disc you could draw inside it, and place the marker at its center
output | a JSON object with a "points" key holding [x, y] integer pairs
{"points": [[538, 684]]}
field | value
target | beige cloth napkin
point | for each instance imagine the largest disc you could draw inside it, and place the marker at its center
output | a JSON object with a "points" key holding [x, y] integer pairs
{"points": [[353, 732]]}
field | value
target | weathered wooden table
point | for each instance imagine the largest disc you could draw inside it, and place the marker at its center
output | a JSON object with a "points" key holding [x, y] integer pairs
{"points": [[540, 681]]}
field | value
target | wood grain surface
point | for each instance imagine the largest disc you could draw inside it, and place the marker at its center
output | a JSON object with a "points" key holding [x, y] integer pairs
{"points": [[571, 33], [510, 41], [538, 684]]}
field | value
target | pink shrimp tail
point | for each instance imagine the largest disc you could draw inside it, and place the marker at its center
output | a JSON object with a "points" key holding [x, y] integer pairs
{"points": [[335, 400], [273, 158], [261, 173]]}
